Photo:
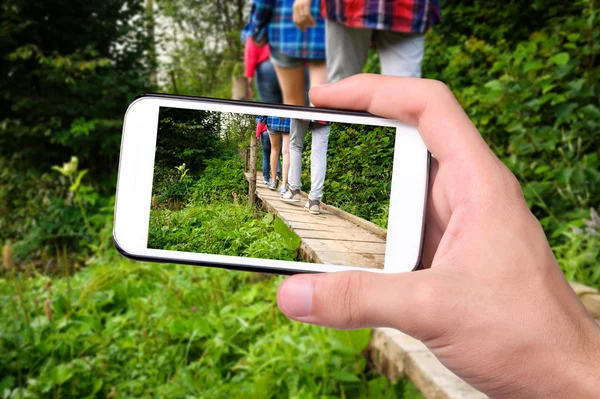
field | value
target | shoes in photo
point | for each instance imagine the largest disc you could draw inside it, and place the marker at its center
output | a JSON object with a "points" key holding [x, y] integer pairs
{"points": [[272, 185], [291, 196], [313, 206]]}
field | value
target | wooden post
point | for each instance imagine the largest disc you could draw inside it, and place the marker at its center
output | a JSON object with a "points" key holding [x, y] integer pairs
{"points": [[239, 89], [252, 167]]}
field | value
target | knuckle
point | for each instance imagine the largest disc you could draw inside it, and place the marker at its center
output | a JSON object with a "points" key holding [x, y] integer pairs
{"points": [[350, 294], [425, 294], [440, 88]]}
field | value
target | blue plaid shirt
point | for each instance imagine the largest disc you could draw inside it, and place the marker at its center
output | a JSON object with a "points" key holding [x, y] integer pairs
{"points": [[274, 17], [278, 124]]}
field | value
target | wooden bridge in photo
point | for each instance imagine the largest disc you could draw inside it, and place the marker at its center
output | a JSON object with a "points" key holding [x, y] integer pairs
{"points": [[333, 237], [337, 237]]}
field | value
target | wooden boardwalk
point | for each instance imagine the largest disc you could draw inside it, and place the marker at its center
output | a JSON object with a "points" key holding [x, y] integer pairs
{"points": [[333, 237]]}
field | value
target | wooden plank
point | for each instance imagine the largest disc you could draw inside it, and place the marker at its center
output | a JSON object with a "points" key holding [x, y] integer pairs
{"points": [[350, 235], [345, 246], [371, 261], [302, 218], [397, 355], [365, 224], [332, 226], [590, 297]]}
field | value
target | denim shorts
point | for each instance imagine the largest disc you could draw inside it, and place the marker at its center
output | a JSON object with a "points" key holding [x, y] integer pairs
{"points": [[283, 61], [276, 132]]}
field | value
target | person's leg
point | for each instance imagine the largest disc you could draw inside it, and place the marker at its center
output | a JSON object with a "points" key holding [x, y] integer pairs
{"points": [[291, 81], [400, 54], [347, 50], [307, 85], [267, 84], [297, 132], [266, 151], [318, 159], [285, 152], [275, 150]]}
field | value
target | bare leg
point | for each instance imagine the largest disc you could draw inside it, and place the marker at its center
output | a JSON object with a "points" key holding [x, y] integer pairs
{"points": [[275, 148], [318, 73], [292, 84], [286, 159]]}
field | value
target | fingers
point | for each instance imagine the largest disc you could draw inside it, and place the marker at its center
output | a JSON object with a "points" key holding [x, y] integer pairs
{"points": [[352, 300], [301, 15], [445, 128]]}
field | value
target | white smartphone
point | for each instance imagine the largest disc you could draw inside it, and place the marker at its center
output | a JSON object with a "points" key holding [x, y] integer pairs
{"points": [[184, 177]]}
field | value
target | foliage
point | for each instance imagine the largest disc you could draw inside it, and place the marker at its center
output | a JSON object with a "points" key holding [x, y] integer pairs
{"points": [[221, 181], [66, 83], [216, 219], [188, 137], [220, 229], [580, 252], [56, 211], [359, 170], [67, 78], [133, 330]]}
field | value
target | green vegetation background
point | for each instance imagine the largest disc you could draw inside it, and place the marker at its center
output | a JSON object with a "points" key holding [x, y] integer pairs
{"points": [[78, 320]]}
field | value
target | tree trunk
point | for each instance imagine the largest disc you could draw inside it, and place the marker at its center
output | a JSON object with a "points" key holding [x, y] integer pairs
{"points": [[252, 189], [152, 46]]}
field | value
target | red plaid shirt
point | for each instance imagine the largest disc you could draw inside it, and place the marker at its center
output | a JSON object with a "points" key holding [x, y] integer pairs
{"points": [[408, 16]]}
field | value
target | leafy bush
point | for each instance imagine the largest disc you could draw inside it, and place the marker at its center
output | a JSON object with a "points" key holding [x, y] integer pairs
{"points": [[225, 229], [221, 181], [56, 211]]}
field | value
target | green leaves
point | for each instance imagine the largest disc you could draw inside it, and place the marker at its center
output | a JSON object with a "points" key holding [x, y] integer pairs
{"points": [[229, 340], [61, 374], [560, 59], [290, 239]]}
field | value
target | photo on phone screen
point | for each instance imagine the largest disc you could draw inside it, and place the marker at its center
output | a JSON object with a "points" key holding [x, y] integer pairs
{"points": [[201, 178]]}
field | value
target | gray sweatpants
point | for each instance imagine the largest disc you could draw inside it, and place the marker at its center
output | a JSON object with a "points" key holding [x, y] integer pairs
{"points": [[400, 54], [318, 156]]}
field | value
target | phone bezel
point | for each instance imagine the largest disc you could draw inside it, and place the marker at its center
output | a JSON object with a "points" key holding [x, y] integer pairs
{"points": [[132, 207]]}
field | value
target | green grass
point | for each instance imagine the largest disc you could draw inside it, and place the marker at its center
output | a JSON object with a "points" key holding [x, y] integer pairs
{"points": [[143, 330]]}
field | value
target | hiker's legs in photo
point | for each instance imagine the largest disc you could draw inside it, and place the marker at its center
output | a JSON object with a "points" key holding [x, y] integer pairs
{"points": [[279, 165], [347, 50], [318, 159], [265, 142], [275, 138], [400, 54], [267, 84], [298, 130], [285, 152]]}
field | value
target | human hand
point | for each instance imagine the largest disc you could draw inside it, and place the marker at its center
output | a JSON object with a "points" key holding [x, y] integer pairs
{"points": [[301, 16], [493, 305]]}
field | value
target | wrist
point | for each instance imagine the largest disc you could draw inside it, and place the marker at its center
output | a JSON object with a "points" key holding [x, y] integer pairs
{"points": [[576, 367], [587, 369]]}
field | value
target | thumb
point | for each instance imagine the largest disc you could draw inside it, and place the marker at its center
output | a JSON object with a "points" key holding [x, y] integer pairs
{"points": [[349, 300]]}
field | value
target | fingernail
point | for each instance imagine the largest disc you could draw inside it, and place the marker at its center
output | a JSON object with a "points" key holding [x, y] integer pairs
{"points": [[296, 297]]}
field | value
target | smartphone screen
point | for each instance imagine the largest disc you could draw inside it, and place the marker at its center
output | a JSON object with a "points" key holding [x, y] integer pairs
{"points": [[202, 171]]}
